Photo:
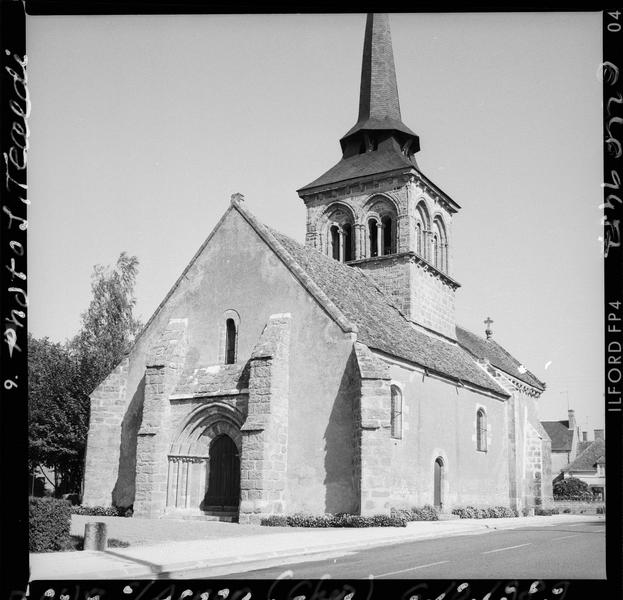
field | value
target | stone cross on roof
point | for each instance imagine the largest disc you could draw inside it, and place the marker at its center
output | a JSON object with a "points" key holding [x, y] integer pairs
{"points": [[488, 331]]}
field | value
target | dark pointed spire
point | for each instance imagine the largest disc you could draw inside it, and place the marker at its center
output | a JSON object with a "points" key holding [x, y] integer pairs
{"points": [[378, 96], [379, 107]]}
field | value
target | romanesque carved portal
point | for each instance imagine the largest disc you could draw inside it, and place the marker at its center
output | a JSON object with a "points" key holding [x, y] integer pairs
{"points": [[204, 465]]}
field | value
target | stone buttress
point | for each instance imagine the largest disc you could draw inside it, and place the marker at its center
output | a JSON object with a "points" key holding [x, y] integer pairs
{"points": [[265, 433], [373, 447], [162, 372]]}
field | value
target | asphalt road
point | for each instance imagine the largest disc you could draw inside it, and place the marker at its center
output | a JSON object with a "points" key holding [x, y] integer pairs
{"points": [[567, 551]]}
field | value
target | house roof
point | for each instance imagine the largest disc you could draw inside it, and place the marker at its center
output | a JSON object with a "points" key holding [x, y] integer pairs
{"points": [[560, 434], [497, 356], [594, 454], [583, 446]]}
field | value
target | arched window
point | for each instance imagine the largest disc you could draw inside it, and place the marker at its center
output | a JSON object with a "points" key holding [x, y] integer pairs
{"points": [[440, 240], [396, 412], [481, 430], [335, 242], [348, 242], [418, 239], [231, 340], [389, 246], [435, 251], [423, 226], [338, 227], [373, 234], [381, 219]]}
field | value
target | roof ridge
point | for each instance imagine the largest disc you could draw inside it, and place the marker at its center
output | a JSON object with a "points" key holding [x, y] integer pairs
{"points": [[508, 355], [520, 363]]}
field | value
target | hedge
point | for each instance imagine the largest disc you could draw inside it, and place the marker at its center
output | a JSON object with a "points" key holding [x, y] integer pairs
{"points": [[422, 513], [96, 511], [48, 524], [490, 512], [329, 520], [545, 512]]}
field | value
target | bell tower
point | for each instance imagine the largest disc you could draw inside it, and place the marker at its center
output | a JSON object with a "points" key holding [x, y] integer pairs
{"points": [[376, 210]]}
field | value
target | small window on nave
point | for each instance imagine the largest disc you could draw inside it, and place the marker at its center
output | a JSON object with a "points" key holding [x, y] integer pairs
{"points": [[231, 339], [481, 430], [396, 412]]}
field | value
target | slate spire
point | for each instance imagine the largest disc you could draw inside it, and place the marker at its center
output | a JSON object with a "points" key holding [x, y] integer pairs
{"points": [[378, 96], [379, 106]]}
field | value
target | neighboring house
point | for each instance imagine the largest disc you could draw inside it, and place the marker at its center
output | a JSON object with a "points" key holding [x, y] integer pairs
{"points": [[590, 466], [278, 377], [565, 437]]}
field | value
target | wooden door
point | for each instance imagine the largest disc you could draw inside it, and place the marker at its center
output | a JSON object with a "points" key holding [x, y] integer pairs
{"points": [[224, 478]]}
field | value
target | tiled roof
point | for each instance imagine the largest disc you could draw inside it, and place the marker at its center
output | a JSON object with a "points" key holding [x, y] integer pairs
{"points": [[497, 356], [583, 446], [380, 325], [593, 455], [560, 434], [360, 165]]}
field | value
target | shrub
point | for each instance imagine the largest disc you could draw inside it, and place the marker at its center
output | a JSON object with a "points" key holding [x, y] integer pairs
{"points": [[422, 513], [328, 520], [275, 521], [97, 511], [545, 512], [490, 512], [48, 524], [571, 489]]}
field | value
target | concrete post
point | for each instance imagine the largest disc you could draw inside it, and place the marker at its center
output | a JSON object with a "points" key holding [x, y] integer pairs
{"points": [[95, 536]]}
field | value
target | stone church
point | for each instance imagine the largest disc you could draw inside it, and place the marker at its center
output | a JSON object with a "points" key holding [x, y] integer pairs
{"points": [[277, 377]]}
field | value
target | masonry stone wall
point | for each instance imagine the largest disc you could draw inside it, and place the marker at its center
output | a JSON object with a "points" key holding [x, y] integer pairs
{"points": [[108, 408], [530, 466], [439, 421], [419, 291]]}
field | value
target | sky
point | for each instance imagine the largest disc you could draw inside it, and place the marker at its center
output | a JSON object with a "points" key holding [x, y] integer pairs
{"points": [[142, 127]]}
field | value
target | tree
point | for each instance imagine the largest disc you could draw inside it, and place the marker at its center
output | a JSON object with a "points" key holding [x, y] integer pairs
{"points": [[62, 376], [57, 413], [571, 489], [108, 325]]}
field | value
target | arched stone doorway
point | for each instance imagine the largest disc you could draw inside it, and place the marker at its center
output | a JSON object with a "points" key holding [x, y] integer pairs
{"points": [[223, 487], [438, 483], [204, 461]]}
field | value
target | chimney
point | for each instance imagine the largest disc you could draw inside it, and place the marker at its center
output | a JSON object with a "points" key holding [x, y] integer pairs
{"points": [[585, 436], [599, 434], [571, 419]]}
